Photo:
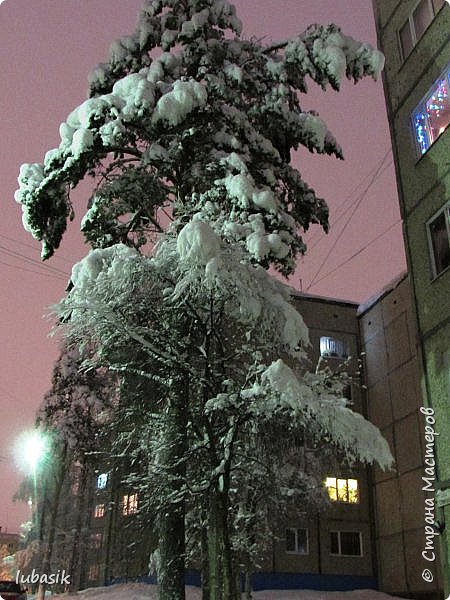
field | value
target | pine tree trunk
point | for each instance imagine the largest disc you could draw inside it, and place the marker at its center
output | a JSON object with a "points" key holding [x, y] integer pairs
{"points": [[171, 523], [204, 563], [222, 582]]}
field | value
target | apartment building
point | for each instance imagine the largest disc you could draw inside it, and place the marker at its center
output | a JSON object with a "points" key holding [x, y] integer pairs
{"points": [[395, 405], [415, 38]]}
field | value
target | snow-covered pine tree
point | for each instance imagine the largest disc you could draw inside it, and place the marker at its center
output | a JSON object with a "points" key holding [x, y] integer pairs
{"points": [[188, 116], [205, 316]]}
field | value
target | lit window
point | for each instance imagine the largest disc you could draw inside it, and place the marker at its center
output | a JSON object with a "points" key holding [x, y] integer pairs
{"points": [[417, 23], [330, 347], [99, 511], [297, 541], [102, 480], [345, 543], [439, 239], [76, 479], [342, 490], [432, 115], [129, 504], [94, 572]]}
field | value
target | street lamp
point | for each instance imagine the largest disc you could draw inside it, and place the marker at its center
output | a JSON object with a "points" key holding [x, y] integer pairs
{"points": [[31, 448]]}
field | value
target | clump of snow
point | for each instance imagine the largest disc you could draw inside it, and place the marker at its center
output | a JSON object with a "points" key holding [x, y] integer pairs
{"points": [[83, 139], [331, 57], [314, 131], [86, 271], [349, 430], [136, 91], [197, 243], [175, 105]]}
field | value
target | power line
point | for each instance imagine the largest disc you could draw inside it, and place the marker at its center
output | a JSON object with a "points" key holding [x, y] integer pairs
{"points": [[33, 261], [375, 239], [360, 200], [349, 196], [57, 257], [45, 274], [321, 238]]}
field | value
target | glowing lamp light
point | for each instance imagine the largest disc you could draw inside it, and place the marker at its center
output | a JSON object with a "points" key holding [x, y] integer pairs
{"points": [[31, 448]]}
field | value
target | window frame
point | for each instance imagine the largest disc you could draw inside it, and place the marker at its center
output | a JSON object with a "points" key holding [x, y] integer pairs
{"points": [[421, 107], [446, 211], [325, 340], [347, 501], [95, 540], [297, 551], [102, 481], [93, 572], [99, 510], [129, 504], [339, 532], [433, 11]]}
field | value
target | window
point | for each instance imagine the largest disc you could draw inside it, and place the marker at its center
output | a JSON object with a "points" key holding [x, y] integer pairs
{"points": [[102, 480], [345, 543], [417, 23], [330, 347], [129, 504], [94, 572], [99, 511], [297, 541], [438, 229], [431, 117], [342, 490], [76, 479], [95, 540]]}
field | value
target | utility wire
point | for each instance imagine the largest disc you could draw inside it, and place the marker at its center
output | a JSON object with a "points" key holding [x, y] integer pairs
{"points": [[349, 196], [360, 200], [45, 274], [320, 238], [372, 241], [33, 261], [10, 239]]}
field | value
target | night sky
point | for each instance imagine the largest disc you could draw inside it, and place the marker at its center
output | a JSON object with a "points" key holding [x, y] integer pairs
{"points": [[48, 48]]}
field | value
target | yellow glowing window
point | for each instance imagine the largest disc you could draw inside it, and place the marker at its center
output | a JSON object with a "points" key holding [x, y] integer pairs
{"points": [[129, 504], [99, 511], [342, 490]]}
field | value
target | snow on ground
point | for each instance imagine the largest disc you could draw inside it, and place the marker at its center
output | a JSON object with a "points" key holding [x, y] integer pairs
{"points": [[142, 591]]}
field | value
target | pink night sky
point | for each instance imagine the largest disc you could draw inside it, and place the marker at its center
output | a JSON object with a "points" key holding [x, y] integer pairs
{"points": [[48, 48]]}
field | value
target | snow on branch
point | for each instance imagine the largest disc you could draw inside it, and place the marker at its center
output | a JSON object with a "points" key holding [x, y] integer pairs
{"points": [[212, 118], [309, 398]]}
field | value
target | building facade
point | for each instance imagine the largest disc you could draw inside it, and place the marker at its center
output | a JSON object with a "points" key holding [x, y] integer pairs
{"points": [[395, 405], [415, 38], [332, 549]]}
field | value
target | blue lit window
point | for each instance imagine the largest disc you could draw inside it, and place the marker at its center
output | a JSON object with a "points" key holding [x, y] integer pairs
{"points": [[432, 115], [333, 348], [102, 480]]}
